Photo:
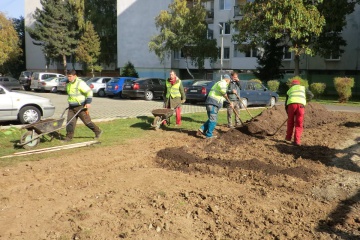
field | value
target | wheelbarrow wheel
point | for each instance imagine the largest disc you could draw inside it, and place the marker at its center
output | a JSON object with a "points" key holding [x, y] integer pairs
{"points": [[157, 122], [28, 136]]}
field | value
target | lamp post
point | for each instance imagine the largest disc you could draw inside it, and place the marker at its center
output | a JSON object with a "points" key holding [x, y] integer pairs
{"points": [[222, 49]]}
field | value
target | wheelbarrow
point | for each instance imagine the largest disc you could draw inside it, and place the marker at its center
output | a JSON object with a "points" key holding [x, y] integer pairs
{"points": [[39, 129], [162, 116]]}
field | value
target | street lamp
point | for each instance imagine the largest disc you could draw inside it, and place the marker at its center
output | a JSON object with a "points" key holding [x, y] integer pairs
{"points": [[222, 49]]}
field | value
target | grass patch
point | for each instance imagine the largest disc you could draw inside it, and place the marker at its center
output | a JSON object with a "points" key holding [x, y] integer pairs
{"points": [[331, 100], [116, 132]]}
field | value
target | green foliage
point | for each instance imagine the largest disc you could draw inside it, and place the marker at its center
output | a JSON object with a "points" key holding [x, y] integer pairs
{"points": [[9, 40], [183, 28], [256, 80], [343, 87], [103, 16], [88, 49], [129, 71], [55, 30], [273, 85], [294, 22], [317, 89], [303, 82], [270, 61]]}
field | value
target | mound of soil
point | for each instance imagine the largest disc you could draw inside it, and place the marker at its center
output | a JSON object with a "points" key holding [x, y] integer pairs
{"points": [[243, 185]]}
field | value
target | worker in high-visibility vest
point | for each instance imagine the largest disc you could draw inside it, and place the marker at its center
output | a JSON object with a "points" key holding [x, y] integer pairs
{"points": [[79, 99], [174, 95], [214, 102], [295, 103]]}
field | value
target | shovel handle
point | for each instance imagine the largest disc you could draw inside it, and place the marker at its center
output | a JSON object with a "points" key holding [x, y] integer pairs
{"points": [[227, 98], [243, 105]]}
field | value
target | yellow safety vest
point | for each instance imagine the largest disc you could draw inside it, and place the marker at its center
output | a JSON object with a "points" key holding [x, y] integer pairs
{"points": [[78, 92], [296, 94], [173, 90], [218, 91]]}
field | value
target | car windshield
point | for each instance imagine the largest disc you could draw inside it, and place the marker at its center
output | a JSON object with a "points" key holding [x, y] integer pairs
{"points": [[91, 80], [50, 79], [201, 83]]}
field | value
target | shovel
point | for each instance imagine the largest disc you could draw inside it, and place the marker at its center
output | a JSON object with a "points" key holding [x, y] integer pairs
{"points": [[244, 105], [242, 123], [272, 134]]}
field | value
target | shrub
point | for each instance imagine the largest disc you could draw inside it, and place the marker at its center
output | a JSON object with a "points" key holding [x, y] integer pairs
{"points": [[256, 80], [303, 82], [343, 87], [273, 85], [317, 89]]}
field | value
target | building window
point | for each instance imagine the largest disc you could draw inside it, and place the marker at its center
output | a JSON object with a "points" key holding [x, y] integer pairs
{"points": [[249, 53], [210, 33], [176, 55], [333, 56], [226, 26], [226, 53], [225, 4], [287, 53]]}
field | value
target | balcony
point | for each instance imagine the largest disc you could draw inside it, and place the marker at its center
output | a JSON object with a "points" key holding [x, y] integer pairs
{"points": [[210, 16]]}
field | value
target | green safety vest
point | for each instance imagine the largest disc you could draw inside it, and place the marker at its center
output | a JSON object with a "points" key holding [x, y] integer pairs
{"points": [[296, 94], [173, 90], [218, 91], [78, 91]]}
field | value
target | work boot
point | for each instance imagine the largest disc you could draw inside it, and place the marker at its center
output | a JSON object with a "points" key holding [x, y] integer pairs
{"points": [[98, 135], [212, 137], [230, 126], [200, 132], [69, 137]]}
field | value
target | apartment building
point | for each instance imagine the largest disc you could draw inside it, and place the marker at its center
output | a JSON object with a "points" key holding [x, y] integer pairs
{"points": [[136, 26]]}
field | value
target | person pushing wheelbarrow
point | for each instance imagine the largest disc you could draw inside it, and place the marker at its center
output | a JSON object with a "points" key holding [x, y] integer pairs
{"points": [[174, 95]]}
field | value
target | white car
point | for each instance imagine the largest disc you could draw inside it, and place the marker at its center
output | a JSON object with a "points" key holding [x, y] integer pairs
{"points": [[22, 107], [98, 85]]}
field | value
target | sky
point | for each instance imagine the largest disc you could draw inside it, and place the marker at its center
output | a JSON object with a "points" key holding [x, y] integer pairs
{"points": [[12, 8]]}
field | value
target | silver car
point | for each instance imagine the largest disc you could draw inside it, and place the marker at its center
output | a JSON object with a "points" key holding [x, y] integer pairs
{"points": [[22, 107], [98, 85], [50, 84]]}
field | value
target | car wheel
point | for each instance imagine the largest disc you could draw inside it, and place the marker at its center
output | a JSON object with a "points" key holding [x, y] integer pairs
{"points": [[27, 88], [120, 95], [53, 89], [29, 114], [272, 102], [28, 136], [149, 95], [101, 93], [244, 103]]}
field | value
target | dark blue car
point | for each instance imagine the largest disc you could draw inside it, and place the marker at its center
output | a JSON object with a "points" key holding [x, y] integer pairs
{"points": [[251, 93], [115, 85]]}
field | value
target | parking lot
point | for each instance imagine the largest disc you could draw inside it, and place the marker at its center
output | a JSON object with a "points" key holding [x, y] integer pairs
{"points": [[112, 108]]}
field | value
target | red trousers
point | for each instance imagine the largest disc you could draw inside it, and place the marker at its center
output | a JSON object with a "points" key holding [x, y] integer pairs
{"points": [[178, 115], [296, 114]]}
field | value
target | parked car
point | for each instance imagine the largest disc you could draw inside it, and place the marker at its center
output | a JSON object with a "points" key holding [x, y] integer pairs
{"points": [[255, 93], [147, 88], [25, 79], [10, 83], [37, 78], [114, 87], [61, 87], [251, 93], [22, 107], [50, 84], [98, 85]]}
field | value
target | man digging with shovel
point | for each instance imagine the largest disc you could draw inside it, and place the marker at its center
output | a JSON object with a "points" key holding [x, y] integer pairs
{"points": [[233, 92], [214, 102]]}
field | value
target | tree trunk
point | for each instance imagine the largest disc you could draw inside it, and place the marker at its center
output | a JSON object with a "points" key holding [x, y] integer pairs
{"points": [[187, 68], [64, 64], [297, 65]]}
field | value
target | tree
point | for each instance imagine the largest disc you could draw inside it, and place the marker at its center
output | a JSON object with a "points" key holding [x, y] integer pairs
{"points": [[183, 28], [9, 40], [270, 61], [16, 63], [129, 71], [294, 22], [88, 49], [55, 30], [330, 40], [102, 14]]}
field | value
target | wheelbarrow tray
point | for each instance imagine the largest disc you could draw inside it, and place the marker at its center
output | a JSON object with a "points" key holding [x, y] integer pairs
{"points": [[46, 126], [163, 112]]}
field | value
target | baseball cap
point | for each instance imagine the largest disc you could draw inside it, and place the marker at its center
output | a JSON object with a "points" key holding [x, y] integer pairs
{"points": [[226, 76], [295, 81]]}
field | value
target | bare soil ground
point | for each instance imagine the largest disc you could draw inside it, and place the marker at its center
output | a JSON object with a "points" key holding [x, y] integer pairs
{"points": [[174, 185]]}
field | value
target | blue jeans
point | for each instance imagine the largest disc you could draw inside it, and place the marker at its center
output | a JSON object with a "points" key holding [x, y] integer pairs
{"points": [[209, 126]]}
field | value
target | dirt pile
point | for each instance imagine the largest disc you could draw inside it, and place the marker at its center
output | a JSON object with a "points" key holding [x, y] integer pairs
{"points": [[239, 186]]}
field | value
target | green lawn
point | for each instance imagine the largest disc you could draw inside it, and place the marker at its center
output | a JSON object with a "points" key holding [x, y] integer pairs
{"points": [[115, 132]]}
